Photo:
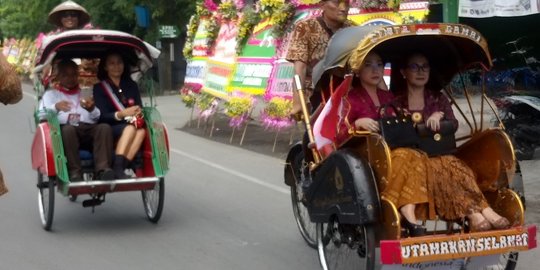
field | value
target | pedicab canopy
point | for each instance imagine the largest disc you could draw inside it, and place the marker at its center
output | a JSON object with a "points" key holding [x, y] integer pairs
{"points": [[450, 48], [93, 43]]}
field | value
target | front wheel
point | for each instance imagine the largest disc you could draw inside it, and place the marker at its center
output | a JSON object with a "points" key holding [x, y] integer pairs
{"points": [[346, 246], [305, 226], [46, 200], [153, 200]]}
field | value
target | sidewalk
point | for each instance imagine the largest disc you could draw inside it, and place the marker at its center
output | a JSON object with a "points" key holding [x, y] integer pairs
{"points": [[256, 138]]}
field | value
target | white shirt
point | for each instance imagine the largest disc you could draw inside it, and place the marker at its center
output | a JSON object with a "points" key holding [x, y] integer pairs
{"points": [[53, 96]]}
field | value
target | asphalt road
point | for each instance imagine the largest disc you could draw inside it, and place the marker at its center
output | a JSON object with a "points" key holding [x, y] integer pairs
{"points": [[226, 207]]}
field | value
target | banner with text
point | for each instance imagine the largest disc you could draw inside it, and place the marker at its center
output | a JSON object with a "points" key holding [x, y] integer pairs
{"points": [[500, 8]]}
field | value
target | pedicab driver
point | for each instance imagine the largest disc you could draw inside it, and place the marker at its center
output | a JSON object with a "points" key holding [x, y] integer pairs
{"points": [[308, 46], [78, 118]]}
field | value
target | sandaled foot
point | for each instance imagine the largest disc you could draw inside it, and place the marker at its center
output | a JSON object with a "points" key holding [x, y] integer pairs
{"points": [[481, 227], [501, 223], [413, 228]]}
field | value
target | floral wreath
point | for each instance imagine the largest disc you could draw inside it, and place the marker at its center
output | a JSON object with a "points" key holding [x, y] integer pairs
{"points": [[206, 105], [238, 108], [379, 4], [250, 18], [278, 13], [276, 113], [189, 94]]}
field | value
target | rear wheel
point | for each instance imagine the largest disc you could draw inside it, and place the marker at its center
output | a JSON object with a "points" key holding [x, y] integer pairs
{"points": [[46, 200], [307, 229], [153, 201], [346, 246]]}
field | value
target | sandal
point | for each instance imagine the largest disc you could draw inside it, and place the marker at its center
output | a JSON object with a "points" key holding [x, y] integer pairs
{"points": [[501, 223], [414, 229], [481, 227]]}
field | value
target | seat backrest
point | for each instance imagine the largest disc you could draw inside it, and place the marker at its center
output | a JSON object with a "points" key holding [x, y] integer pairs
{"points": [[490, 155]]}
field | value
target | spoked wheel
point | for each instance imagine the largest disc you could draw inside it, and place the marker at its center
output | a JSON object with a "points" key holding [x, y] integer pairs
{"points": [[308, 229], [153, 201], [346, 246], [507, 261], [46, 200]]}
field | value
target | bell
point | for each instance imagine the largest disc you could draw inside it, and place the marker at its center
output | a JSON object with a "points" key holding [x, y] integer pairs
{"points": [[416, 117]]}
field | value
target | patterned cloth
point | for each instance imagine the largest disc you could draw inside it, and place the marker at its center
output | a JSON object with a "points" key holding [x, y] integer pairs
{"points": [[450, 184], [308, 44], [443, 185]]}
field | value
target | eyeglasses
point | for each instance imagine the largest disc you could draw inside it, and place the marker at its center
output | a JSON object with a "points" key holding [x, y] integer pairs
{"points": [[416, 67], [70, 14]]}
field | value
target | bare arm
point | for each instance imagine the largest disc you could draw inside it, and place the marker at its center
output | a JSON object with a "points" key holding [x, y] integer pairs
{"points": [[299, 69]]}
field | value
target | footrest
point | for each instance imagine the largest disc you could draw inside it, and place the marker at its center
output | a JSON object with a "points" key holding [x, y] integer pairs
{"points": [[133, 184], [446, 247]]}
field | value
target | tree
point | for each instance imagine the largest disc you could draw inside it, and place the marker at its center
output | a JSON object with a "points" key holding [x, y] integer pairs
{"points": [[28, 18]]}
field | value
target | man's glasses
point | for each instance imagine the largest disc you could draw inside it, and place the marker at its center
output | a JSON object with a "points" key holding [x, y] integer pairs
{"points": [[416, 67], [70, 14]]}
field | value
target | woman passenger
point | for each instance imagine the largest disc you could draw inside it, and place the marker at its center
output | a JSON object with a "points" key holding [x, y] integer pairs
{"points": [[451, 182], [118, 98], [409, 169]]}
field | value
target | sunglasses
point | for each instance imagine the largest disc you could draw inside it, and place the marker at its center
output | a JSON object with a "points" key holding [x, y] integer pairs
{"points": [[416, 67], [70, 14]]}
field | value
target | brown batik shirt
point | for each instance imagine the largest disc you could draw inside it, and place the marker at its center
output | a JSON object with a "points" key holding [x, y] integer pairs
{"points": [[308, 45]]}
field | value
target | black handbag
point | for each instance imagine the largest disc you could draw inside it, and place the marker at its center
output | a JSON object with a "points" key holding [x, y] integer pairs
{"points": [[442, 142], [398, 130]]}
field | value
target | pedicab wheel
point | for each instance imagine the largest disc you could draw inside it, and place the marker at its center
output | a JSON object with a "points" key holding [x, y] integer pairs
{"points": [[307, 229], [345, 246], [153, 201], [46, 200], [72, 198]]}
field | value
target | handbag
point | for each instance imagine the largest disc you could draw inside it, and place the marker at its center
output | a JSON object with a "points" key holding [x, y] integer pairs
{"points": [[398, 129], [10, 84], [442, 142]]}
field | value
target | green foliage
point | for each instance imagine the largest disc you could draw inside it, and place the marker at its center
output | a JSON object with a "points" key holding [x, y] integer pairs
{"points": [[28, 18]]}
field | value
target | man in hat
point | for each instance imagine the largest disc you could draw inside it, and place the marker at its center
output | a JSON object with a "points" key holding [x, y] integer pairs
{"points": [[69, 16], [309, 41], [78, 117]]}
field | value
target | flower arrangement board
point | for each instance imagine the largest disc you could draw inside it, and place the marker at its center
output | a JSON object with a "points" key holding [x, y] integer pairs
{"points": [[281, 82], [225, 45], [222, 61], [196, 71], [218, 77], [200, 41], [408, 12], [251, 75], [261, 43]]}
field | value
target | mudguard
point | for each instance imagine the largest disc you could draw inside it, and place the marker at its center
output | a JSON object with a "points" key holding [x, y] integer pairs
{"points": [[345, 186], [42, 152], [290, 164]]}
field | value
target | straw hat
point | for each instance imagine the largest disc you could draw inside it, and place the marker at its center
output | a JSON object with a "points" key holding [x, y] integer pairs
{"points": [[55, 16]]}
